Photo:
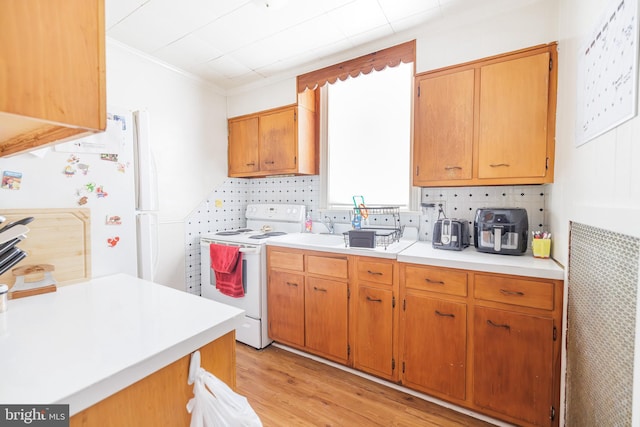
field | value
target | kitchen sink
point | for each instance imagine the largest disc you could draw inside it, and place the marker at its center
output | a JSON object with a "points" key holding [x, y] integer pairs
{"points": [[316, 239]]}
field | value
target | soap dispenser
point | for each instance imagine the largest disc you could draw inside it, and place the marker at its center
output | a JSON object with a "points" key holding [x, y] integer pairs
{"points": [[308, 224]]}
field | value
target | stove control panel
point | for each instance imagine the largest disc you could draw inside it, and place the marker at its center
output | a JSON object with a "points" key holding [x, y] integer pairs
{"points": [[276, 212]]}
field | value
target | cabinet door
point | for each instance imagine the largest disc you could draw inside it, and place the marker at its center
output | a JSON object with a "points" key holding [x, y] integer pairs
{"points": [[513, 118], [513, 364], [434, 353], [373, 341], [285, 297], [53, 72], [443, 140], [243, 147], [326, 317], [278, 140]]}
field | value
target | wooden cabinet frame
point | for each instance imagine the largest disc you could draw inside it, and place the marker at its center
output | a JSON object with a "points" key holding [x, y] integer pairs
{"points": [[54, 87], [533, 302], [449, 127], [278, 141]]}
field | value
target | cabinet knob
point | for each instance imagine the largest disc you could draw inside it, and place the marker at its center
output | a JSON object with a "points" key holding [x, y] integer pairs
{"points": [[498, 165]]}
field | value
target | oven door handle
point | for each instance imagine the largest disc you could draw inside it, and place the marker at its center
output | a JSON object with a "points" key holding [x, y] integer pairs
{"points": [[250, 250]]}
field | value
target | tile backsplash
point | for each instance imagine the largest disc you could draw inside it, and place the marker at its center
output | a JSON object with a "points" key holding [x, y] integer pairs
{"points": [[224, 209]]}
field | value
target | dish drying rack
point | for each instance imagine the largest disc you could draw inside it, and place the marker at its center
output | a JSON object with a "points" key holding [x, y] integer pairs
{"points": [[384, 221]]}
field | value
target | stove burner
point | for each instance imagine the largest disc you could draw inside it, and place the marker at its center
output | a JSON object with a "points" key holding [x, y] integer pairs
{"points": [[266, 235]]}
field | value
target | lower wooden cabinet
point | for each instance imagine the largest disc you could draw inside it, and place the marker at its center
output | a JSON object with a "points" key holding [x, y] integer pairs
{"points": [[434, 352], [308, 301], [285, 294], [375, 318], [325, 311], [513, 364], [486, 342]]}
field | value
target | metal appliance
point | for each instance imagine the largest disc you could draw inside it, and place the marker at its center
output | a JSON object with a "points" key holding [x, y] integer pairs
{"points": [[450, 234], [501, 230], [264, 221]]}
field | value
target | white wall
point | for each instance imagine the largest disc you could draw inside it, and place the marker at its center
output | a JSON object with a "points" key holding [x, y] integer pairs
{"points": [[189, 140], [597, 183]]}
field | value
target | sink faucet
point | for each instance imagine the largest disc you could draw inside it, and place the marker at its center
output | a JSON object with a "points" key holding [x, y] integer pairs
{"points": [[329, 224]]}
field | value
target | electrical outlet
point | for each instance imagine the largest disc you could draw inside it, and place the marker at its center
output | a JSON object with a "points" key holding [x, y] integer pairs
{"points": [[441, 209]]}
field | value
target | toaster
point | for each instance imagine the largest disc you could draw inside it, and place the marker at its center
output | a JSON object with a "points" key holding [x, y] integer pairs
{"points": [[501, 230], [452, 234]]}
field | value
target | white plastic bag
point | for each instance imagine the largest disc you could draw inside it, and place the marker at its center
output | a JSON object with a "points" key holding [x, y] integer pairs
{"points": [[214, 404]]}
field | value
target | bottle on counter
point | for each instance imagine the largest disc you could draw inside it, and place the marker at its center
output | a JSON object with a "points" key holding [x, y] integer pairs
{"points": [[308, 223]]}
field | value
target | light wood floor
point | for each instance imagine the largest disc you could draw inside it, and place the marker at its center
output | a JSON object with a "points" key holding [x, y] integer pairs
{"points": [[286, 389]]}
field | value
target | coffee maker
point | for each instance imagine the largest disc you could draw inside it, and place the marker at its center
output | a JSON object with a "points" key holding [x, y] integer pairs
{"points": [[501, 230]]}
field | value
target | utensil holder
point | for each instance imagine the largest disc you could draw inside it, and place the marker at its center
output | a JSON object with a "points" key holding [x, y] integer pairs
{"points": [[541, 248]]}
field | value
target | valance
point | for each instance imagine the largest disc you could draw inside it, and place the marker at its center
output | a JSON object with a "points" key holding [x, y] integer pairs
{"points": [[390, 57]]}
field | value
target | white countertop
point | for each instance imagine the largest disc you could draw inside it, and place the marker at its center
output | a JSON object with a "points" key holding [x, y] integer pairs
{"points": [[471, 259], [87, 341], [335, 243]]}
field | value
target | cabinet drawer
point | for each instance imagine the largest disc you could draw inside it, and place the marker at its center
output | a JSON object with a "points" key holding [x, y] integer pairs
{"points": [[286, 260], [327, 266], [436, 280], [509, 290], [377, 272]]}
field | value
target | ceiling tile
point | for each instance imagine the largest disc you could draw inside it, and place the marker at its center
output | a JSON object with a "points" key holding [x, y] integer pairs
{"points": [[311, 35], [160, 22], [116, 10], [395, 10], [188, 51], [252, 23], [357, 17], [416, 20]]}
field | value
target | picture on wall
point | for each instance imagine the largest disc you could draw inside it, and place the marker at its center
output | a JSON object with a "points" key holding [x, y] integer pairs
{"points": [[607, 72]]}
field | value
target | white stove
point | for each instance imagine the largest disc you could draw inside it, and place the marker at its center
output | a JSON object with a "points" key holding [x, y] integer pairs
{"points": [[263, 222]]}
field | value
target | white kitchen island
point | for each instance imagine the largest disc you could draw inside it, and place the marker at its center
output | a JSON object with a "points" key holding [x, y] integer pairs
{"points": [[91, 342]]}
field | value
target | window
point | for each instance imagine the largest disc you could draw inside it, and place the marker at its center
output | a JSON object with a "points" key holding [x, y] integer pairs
{"points": [[368, 130]]}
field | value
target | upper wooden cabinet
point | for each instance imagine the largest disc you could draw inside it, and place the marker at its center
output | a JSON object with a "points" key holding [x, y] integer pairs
{"points": [[275, 142], [487, 122], [52, 56]]}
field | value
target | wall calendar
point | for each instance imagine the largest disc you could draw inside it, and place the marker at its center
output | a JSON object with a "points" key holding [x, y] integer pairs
{"points": [[607, 72]]}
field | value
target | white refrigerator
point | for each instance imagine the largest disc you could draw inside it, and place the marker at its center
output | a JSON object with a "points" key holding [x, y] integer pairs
{"points": [[113, 175]]}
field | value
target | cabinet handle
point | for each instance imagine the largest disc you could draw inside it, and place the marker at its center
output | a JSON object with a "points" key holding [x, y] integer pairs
{"points": [[251, 164], [514, 293], [497, 325], [375, 273], [497, 165], [269, 162], [373, 299], [448, 168], [292, 284], [315, 288], [434, 282], [445, 314]]}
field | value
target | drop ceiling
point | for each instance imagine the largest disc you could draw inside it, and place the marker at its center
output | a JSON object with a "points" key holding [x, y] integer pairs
{"points": [[232, 43]]}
